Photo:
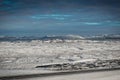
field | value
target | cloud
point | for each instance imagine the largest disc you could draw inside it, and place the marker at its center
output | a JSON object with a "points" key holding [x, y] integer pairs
{"points": [[92, 23], [51, 16]]}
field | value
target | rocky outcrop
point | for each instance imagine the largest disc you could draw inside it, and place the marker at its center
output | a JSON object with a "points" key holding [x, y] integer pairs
{"points": [[83, 65]]}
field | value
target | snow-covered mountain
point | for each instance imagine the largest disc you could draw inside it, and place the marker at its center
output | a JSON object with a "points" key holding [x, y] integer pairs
{"points": [[55, 37], [105, 37]]}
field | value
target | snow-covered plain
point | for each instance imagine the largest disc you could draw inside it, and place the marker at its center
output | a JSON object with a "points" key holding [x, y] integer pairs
{"points": [[29, 54]]}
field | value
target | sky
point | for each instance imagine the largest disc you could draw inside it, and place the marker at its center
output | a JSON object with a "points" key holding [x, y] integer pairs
{"points": [[51, 17]]}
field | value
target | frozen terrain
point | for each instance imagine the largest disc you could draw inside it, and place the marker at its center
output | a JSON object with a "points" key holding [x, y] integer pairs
{"points": [[29, 54], [23, 58]]}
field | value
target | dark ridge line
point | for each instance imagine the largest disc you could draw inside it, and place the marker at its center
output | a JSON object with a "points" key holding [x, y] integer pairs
{"points": [[55, 74], [44, 38], [61, 37]]}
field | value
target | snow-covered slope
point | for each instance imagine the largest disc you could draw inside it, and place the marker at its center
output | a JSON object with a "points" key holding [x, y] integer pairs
{"points": [[28, 54]]}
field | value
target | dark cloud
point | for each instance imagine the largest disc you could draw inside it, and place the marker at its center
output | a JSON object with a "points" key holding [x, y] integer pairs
{"points": [[34, 14]]}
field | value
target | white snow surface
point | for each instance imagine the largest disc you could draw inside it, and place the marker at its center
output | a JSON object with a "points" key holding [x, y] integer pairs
{"points": [[28, 55]]}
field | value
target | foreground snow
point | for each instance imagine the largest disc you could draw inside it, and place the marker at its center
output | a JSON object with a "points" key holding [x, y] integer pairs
{"points": [[43, 75], [107, 75], [28, 55]]}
